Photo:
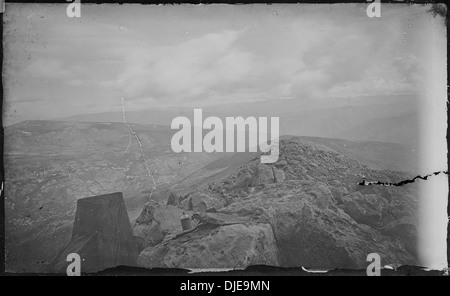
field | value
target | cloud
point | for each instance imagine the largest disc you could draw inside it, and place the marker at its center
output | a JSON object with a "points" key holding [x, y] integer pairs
{"points": [[166, 56], [28, 100], [356, 60], [294, 59], [187, 70], [48, 69]]}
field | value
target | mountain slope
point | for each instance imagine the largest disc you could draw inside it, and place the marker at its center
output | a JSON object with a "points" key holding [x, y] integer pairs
{"points": [[304, 210], [50, 164]]}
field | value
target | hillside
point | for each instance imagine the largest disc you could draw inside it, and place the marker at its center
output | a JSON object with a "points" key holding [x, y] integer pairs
{"points": [[374, 155], [51, 164]]}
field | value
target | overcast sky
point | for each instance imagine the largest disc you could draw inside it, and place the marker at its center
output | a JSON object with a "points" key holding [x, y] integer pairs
{"points": [[156, 56]]}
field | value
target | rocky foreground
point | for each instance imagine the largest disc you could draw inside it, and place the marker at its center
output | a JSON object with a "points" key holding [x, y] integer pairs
{"points": [[304, 210]]}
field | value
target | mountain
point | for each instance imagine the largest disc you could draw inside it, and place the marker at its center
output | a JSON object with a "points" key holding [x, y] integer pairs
{"points": [[306, 209], [386, 119], [49, 165], [374, 155], [400, 128], [397, 123]]}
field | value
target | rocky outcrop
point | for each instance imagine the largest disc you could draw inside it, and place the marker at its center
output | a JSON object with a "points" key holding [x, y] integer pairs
{"points": [[307, 205], [312, 231], [229, 246]]}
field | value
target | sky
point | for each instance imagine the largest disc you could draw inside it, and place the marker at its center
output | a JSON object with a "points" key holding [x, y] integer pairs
{"points": [[199, 55], [186, 55]]}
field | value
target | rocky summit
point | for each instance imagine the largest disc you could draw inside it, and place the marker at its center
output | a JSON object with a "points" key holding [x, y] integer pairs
{"points": [[306, 209]]}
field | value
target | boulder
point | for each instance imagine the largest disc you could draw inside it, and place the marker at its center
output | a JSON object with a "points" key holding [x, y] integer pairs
{"points": [[173, 199], [244, 180], [168, 218], [147, 214], [147, 235], [202, 202], [279, 175], [198, 202], [155, 222], [264, 175], [186, 204], [229, 246]]}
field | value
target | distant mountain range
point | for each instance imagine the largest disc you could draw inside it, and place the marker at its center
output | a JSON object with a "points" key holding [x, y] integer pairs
{"points": [[386, 119]]}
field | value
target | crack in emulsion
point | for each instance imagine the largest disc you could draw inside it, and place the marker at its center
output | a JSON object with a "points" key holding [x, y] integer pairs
{"points": [[401, 183], [131, 131]]}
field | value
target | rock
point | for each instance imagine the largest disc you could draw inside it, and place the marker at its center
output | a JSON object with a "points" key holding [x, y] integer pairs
{"points": [[198, 204], [312, 231], [316, 214], [229, 246], [202, 202], [406, 230], [168, 218], [338, 193], [244, 180], [264, 175], [279, 175], [146, 216], [147, 235], [155, 222], [186, 204], [174, 199]]}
